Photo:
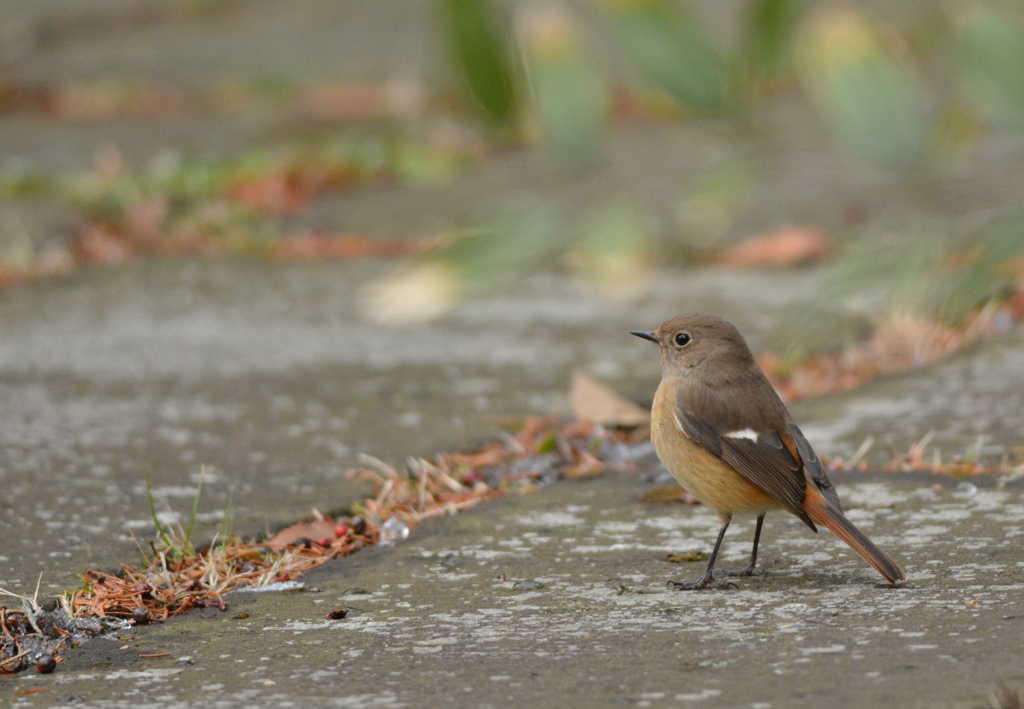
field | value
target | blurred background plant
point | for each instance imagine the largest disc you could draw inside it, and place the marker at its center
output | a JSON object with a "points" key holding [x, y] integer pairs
{"points": [[905, 92], [908, 99]]}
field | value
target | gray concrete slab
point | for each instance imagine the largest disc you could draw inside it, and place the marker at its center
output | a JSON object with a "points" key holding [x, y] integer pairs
{"points": [[194, 46], [268, 375], [445, 622], [973, 401]]}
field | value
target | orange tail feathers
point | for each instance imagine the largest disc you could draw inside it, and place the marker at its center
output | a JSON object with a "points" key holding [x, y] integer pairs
{"points": [[819, 510]]}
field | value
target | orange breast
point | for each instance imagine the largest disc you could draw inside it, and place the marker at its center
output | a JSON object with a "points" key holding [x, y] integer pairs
{"points": [[706, 477]]}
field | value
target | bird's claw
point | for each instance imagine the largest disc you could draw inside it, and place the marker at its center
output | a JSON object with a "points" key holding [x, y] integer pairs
{"points": [[747, 571], [704, 582]]}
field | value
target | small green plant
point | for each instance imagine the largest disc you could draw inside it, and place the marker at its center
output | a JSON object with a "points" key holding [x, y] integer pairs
{"points": [[30, 605], [178, 544]]}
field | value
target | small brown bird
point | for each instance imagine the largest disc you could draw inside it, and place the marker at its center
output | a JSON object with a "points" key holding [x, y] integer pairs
{"points": [[724, 434]]}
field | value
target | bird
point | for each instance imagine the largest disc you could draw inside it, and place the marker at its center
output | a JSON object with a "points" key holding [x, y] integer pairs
{"points": [[721, 429]]}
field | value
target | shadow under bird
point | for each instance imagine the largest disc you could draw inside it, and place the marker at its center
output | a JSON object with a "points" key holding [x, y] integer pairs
{"points": [[724, 434]]}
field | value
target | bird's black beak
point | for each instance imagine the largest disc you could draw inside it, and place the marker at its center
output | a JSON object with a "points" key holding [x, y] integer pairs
{"points": [[646, 334]]}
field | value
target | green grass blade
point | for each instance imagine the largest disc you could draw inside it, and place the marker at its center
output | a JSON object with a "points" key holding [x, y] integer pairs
{"points": [[195, 508], [152, 512]]}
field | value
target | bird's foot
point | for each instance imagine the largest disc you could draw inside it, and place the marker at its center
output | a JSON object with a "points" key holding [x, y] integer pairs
{"points": [[748, 570], [706, 580]]}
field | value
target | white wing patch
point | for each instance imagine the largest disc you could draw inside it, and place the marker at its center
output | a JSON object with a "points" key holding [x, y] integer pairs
{"points": [[748, 433], [679, 425]]}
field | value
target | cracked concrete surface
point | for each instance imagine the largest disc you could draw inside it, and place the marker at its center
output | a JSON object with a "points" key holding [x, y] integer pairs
{"points": [[266, 373], [449, 616]]}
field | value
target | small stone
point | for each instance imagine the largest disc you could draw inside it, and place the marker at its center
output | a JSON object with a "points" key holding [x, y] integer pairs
{"points": [[185, 660], [355, 592], [358, 525], [140, 616], [527, 585], [393, 530]]}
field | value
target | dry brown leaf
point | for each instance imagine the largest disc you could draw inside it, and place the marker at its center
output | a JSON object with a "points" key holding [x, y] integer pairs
{"points": [[314, 245], [788, 246], [100, 245], [313, 531], [685, 557], [593, 401], [342, 101], [667, 495]]}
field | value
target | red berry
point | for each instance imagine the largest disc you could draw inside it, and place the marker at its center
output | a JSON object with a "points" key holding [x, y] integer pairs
{"points": [[340, 531], [324, 542], [282, 577], [46, 664]]}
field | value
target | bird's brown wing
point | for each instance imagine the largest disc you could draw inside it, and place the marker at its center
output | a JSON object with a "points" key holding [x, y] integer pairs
{"points": [[765, 461], [815, 470]]}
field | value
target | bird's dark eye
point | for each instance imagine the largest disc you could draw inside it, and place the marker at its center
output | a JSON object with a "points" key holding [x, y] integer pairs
{"points": [[682, 339]]}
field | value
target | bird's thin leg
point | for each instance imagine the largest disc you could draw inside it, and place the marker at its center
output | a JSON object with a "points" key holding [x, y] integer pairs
{"points": [[751, 568], [708, 579]]}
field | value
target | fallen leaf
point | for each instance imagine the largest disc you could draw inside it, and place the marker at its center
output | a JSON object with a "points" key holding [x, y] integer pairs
{"points": [[9, 276], [667, 495], [347, 101], [314, 245], [99, 245], [788, 246], [685, 556], [282, 192], [588, 465], [1014, 305], [310, 530], [593, 401]]}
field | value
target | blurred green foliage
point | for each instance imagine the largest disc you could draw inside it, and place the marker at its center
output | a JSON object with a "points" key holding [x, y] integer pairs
{"points": [[859, 72], [901, 93], [524, 238], [570, 100], [614, 251], [481, 53], [714, 201], [768, 33], [927, 275], [669, 48], [865, 89], [991, 64]]}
